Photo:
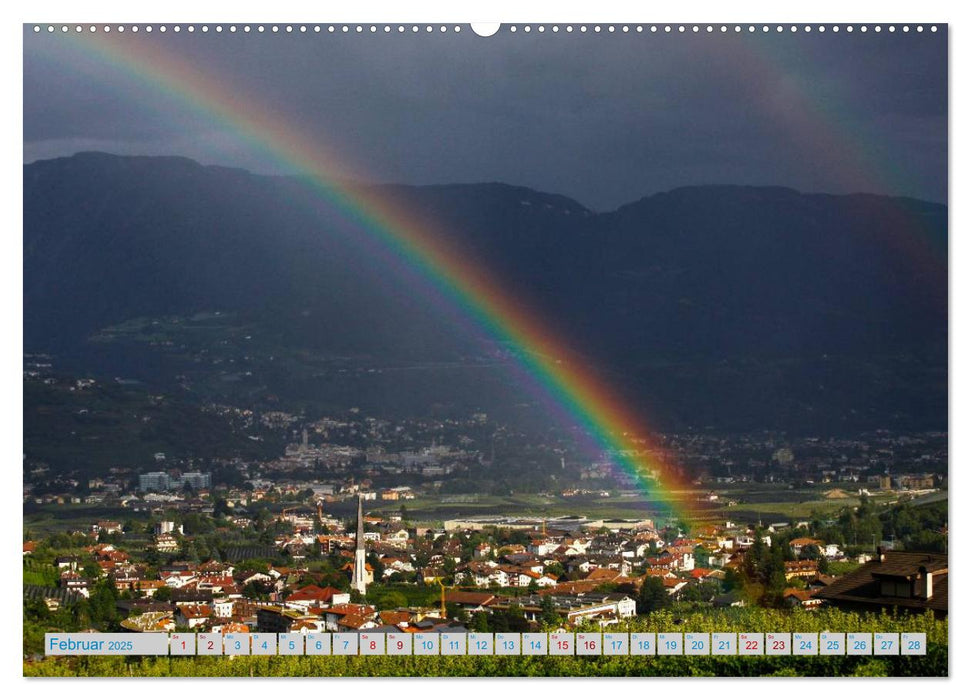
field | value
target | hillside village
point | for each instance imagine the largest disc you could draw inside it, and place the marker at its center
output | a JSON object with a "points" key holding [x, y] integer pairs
{"points": [[486, 574], [180, 543]]}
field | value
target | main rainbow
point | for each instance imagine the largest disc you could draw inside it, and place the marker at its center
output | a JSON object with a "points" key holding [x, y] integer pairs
{"points": [[545, 360]]}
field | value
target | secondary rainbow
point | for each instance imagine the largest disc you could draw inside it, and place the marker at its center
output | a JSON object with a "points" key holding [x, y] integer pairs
{"points": [[544, 359]]}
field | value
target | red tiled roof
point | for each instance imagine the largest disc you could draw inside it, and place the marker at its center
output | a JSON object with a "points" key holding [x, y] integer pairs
{"points": [[394, 617], [189, 611], [602, 575], [468, 598], [312, 593], [216, 581], [354, 621], [351, 609], [801, 565], [672, 582]]}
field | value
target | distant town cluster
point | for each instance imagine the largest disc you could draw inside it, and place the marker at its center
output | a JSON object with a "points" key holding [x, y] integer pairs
{"points": [[352, 522]]}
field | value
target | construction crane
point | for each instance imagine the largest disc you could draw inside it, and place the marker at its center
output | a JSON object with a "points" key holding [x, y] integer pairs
{"points": [[438, 580]]}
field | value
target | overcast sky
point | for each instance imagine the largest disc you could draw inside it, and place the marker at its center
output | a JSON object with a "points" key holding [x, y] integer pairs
{"points": [[603, 118]]}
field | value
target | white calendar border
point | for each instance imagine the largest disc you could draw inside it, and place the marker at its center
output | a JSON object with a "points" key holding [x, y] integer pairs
{"points": [[507, 10]]}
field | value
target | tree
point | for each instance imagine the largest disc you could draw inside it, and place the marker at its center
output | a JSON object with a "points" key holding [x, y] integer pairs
{"points": [[254, 591], [775, 582], [220, 508], [91, 571], [455, 611], [449, 567], [376, 566], [703, 592], [256, 565], [548, 613], [516, 619], [811, 551], [101, 606], [652, 596], [480, 622], [756, 559], [390, 600]]}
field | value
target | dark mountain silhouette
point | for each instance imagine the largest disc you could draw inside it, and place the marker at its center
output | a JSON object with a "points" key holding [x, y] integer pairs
{"points": [[735, 307]]}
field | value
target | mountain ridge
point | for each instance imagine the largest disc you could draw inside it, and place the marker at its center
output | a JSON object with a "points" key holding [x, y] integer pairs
{"points": [[708, 277], [714, 186]]}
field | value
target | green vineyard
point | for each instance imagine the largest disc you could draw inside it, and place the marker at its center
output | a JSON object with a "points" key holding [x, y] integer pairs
{"points": [[935, 663]]}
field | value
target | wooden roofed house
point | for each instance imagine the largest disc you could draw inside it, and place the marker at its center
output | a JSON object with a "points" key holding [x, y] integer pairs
{"points": [[906, 581], [470, 601]]}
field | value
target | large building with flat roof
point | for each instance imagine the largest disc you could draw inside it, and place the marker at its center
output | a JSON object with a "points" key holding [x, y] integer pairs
{"points": [[161, 481]]}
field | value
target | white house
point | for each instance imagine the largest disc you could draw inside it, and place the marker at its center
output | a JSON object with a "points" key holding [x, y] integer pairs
{"points": [[832, 551], [192, 615], [222, 607]]}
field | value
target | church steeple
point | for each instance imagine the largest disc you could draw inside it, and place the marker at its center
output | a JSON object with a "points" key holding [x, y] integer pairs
{"points": [[359, 580]]}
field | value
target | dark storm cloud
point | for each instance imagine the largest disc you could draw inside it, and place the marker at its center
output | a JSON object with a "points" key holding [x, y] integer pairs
{"points": [[602, 118]]}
